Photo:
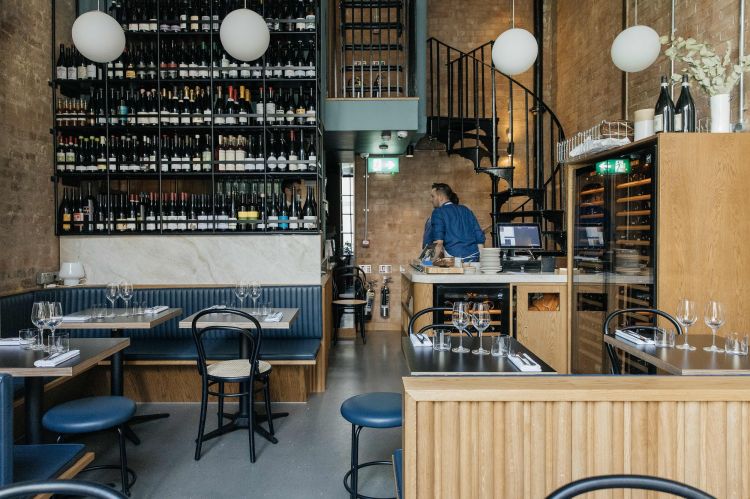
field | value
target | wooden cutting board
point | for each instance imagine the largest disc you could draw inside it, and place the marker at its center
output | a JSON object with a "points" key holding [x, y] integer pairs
{"points": [[438, 270]]}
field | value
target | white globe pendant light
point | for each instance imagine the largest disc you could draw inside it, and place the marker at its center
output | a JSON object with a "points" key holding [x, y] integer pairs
{"points": [[635, 48], [515, 50], [244, 35], [98, 36]]}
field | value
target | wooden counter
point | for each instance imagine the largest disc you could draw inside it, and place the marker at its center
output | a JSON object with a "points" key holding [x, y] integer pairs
{"points": [[467, 438]]}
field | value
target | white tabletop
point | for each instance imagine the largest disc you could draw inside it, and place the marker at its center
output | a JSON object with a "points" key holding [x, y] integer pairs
{"points": [[219, 318]]}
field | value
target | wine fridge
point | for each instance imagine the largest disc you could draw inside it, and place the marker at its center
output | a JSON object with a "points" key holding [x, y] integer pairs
{"points": [[497, 296], [614, 222]]}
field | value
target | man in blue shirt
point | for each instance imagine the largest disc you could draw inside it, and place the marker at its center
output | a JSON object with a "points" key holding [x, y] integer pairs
{"points": [[453, 227]]}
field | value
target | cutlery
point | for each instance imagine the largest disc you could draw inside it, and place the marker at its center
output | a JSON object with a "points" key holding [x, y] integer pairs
{"points": [[531, 361], [523, 360], [53, 356]]}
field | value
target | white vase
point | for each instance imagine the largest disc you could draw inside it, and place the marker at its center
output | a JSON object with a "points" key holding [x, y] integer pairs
{"points": [[720, 113]]}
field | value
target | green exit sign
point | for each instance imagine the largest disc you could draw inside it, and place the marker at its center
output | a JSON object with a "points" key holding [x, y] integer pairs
{"points": [[382, 165], [613, 166]]}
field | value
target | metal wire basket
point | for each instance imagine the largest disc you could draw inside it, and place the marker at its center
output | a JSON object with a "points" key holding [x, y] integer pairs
{"points": [[605, 135]]}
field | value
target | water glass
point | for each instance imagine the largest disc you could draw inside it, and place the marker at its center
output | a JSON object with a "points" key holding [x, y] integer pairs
{"points": [[27, 338], [61, 343], [664, 338], [267, 308], [736, 343], [98, 311], [441, 340], [500, 346]]}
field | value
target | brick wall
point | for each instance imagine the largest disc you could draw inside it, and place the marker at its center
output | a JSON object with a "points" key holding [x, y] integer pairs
{"points": [[27, 221]]}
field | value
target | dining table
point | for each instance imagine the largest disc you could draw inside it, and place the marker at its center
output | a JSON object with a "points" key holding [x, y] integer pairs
{"points": [[219, 318], [19, 362], [115, 321], [686, 362]]}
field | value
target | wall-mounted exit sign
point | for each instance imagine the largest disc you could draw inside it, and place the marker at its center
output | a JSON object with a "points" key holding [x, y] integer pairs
{"points": [[382, 165], [613, 166]]}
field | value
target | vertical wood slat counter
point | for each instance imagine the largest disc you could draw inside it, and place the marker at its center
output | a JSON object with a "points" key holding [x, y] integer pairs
{"points": [[472, 438]]}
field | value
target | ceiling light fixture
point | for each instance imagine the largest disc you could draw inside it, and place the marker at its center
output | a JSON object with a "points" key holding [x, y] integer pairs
{"points": [[515, 50], [98, 36], [244, 34], [635, 48]]}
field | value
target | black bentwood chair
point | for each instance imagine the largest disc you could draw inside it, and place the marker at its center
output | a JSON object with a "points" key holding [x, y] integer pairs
{"points": [[349, 294], [74, 488], [614, 361], [639, 482], [245, 371]]}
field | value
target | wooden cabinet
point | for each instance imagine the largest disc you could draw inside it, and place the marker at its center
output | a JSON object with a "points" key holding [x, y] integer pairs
{"points": [[541, 322]]}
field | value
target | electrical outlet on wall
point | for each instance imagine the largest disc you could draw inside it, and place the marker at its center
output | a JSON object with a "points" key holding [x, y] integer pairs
{"points": [[367, 269], [385, 269]]}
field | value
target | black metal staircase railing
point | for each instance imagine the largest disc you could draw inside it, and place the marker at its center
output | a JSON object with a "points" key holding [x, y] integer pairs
{"points": [[492, 119]]}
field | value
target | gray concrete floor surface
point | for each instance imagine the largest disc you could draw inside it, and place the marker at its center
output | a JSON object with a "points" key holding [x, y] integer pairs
{"points": [[308, 462]]}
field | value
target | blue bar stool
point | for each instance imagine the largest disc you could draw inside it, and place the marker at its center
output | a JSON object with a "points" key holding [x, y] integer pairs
{"points": [[92, 414], [369, 410]]}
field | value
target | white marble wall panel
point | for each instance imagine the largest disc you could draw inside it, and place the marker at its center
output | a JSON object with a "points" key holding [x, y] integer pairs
{"points": [[288, 259]]}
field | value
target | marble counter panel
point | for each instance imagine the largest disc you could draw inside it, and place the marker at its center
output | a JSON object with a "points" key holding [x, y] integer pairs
{"points": [[186, 259]]}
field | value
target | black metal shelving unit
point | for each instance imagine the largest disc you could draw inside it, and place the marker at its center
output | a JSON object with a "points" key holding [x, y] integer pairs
{"points": [[110, 180]]}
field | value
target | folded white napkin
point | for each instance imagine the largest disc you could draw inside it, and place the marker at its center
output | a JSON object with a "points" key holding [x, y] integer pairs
{"points": [[522, 366], [155, 310], [56, 359], [9, 342], [275, 317], [426, 341], [76, 318], [217, 307], [632, 338]]}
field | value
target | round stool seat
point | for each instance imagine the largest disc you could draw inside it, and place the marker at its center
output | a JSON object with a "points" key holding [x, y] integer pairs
{"points": [[373, 410], [89, 414]]}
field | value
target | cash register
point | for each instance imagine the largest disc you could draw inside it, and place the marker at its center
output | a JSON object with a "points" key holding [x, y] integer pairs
{"points": [[518, 241]]}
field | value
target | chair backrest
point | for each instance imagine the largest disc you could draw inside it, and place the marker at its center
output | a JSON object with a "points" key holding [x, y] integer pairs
{"points": [[252, 333], [349, 280], [639, 482], [614, 362], [76, 488], [432, 325], [6, 429]]}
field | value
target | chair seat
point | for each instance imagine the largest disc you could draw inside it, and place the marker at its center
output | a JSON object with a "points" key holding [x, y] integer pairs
{"points": [[237, 368], [373, 410], [43, 462], [352, 302], [89, 414]]}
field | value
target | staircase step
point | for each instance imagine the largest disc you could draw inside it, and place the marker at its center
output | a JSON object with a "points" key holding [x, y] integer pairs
{"points": [[371, 26], [373, 46], [475, 154], [521, 191], [357, 4]]}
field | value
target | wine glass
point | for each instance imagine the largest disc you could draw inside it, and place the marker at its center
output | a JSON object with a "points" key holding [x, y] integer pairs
{"points": [[112, 292], [480, 319], [126, 293], [255, 292], [460, 319], [686, 316], [241, 290], [714, 318], [39, 311], [54, 318]]}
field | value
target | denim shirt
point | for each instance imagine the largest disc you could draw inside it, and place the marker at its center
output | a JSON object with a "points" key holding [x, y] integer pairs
{"points": [[459, 230]]}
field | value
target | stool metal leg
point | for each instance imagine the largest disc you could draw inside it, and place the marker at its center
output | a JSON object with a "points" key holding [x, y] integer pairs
{"points": [[123, 462], [351, 479]]}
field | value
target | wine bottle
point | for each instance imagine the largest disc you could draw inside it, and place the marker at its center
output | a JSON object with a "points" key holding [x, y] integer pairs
{"points": [[272, 211], [312, 156], [65, 213], [664, 110], [101, 214], [89, 211], [283, 213], [684, 118], [293, 156], [151, 216], [61, 68], [309, 214], [295, 211]]}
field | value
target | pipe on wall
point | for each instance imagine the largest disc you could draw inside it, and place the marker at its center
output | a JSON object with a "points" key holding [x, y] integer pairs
{"points": [[741, 100]]}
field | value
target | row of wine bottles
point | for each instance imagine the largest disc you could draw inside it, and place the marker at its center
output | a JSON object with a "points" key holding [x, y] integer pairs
{"points": [[284, 152], [671, 118], [206, 15], [189, 106], [182, 211], [140, 60]]}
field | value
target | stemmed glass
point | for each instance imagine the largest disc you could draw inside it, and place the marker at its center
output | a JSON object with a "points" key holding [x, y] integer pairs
{"points": [[112, 292], [241, 290], [255, 292], [54, 318], [714, 318], [460, 320], [480, 319], [126, 293], [686, 316], [39, 314]]}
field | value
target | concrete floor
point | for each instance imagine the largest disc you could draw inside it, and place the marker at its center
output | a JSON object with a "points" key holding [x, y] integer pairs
{"points": [[314, 441]]}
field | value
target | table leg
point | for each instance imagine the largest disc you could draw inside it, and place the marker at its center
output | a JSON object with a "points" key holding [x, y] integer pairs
{"points": [[33, 390]]}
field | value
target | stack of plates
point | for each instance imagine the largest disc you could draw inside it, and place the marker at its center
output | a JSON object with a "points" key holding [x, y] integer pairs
{"points": [[628, 262], [489, 261]]}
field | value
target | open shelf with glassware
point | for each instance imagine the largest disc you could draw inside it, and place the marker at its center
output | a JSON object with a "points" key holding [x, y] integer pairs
{"points": [[176, 132]]}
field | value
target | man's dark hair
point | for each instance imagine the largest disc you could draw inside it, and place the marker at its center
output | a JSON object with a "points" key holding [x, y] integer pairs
{"points": [[447, 191], [289, 183]]}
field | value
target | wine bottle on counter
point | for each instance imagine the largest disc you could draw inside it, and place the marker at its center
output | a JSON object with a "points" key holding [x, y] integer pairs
{"points": [[684, 118], [309, 212], [664, 111]]}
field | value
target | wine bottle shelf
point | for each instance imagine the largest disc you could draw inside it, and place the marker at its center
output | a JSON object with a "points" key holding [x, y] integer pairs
{"points": [[592, 203], [212, 33], [174, 128], [633, 227], [592, 216], [633, 199], [634, 213], [592, 191], [634, 301], [114, 82], [626, 242], [636, 183]]}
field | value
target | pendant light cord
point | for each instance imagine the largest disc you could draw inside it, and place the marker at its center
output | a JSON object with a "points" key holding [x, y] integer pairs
{"points": [[513, 13], [635, 14]]}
